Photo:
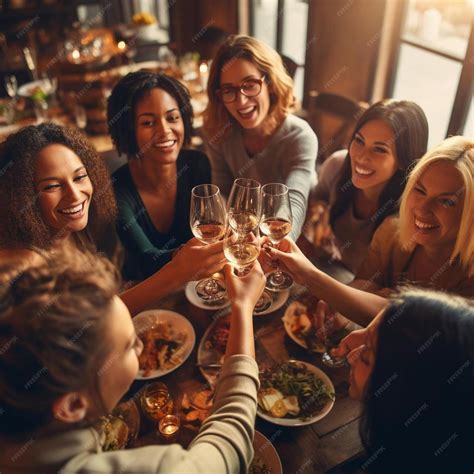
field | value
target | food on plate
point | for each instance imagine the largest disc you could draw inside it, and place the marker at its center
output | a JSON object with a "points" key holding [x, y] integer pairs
{"points": [[258, 467], [299, 320], [196, 407], [218, 338], [161, 348], [291, 390], [114, 433]]}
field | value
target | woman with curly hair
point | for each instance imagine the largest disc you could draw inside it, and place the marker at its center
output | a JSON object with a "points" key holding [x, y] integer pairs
{"points": [[249, 127], [150, 121], [56, 193], [412, 370], [62, 371]]}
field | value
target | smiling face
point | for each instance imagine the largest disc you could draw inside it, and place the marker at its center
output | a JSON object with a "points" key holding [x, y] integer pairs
{"points": [[64, 189], [159, 127], [362, 361], [434, 206], [373, 156], [250, 112], [120, 367]]}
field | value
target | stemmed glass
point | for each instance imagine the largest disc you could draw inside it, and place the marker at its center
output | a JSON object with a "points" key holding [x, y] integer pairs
{"points": [[207, 218], [244, 205], [276, 224], [11, 86], [242, 249]]}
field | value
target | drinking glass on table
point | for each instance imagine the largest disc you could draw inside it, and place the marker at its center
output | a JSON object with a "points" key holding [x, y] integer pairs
{"points": [[244, 206], [207, 218], [242, 249], [11, 86], [276, 224]]}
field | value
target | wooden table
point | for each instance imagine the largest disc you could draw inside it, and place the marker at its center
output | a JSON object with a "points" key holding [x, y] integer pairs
{"points": [[314, 448]]}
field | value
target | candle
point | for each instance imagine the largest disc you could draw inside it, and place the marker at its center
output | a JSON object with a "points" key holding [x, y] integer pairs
{"points": [[169, 428]]}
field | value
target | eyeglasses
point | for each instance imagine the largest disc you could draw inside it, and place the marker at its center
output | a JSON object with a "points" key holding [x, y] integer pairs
{"points": [[248, 88]]}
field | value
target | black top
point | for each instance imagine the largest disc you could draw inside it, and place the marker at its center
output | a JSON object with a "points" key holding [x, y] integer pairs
{"points": [[147, 249]]}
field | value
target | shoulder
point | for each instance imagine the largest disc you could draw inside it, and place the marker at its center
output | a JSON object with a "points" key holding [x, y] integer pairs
{"points": [[20, 258], [388, 231], [297, 133]]}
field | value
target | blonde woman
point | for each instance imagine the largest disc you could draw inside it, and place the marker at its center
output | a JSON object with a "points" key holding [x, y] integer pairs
{"points": [[249, 127], [430, 245]]}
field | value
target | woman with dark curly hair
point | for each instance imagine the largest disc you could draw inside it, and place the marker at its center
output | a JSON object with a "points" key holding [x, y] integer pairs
{"points": [[150, 121], [412, 369], [55, 193]]}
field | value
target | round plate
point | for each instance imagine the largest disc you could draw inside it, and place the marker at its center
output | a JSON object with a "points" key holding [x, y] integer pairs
{"points": [[26, 90], [177, 324], [196, 301], [279, 299], [303, 421], [288, 321], [207, 354], [266, 453]]}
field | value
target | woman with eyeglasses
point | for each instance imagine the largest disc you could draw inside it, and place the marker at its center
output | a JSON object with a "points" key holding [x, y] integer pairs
{"points": [[248, 124]]}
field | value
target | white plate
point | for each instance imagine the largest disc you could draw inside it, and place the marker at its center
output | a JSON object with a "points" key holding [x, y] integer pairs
{"points": [[303, 421], [266, 452], [26, 90], [194, 299], [279, 299], [178, 324]]}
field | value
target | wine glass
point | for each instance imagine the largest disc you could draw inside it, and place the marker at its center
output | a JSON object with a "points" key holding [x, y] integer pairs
{"points": [[242, 249], [276, 225], [333, 340], [11, 86], [244, 205], [80, 116], [207, 219]]}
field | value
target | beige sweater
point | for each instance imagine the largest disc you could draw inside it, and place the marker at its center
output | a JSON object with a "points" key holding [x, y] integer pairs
{"points": [[223, 445]]}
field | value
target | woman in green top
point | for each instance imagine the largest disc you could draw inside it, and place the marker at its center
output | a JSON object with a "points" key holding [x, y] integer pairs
{"points": [[150, 121]]}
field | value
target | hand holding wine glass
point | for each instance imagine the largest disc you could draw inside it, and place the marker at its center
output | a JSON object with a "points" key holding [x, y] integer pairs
{"points": [[276, 224], [207, 219], [242, 250]]}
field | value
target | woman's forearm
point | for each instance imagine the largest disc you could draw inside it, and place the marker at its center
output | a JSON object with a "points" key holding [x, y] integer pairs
{"points": [[357, 305], [151, 290], [241, 337]]}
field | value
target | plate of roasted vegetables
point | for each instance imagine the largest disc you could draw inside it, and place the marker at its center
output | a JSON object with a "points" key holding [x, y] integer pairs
{"points": [[294, 393], [168, 339]]}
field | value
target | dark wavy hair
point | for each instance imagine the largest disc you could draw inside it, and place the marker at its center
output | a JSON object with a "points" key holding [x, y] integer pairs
{"points": [[52, 329], [419, 411], [410, 128], [21, 222], [124, 98]]}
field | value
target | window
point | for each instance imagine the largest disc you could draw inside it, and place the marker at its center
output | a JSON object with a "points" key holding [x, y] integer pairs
{"points": [[433, 66], [282, 24]]}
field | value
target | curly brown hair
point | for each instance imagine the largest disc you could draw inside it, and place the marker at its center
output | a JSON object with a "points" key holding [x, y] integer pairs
{"points": [[21, 222], [52, 324]]}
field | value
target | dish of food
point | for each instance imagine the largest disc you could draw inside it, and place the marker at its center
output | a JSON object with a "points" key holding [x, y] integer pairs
{"points": [[194, 299], [36, 90], [298, 321], [196, 407], [294, 393], [119, 429], [168, 339], [265, 459], [211, 350]]}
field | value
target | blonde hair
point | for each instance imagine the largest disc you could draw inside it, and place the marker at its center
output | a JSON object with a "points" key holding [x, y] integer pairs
{"points": [[217, 120], [459, 151]]}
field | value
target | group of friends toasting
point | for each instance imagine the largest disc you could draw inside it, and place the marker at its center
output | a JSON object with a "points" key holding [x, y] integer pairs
{"points": [[401, 217]]}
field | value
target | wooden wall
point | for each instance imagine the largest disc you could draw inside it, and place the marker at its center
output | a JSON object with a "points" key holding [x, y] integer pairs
{"points": [[343, 43]]}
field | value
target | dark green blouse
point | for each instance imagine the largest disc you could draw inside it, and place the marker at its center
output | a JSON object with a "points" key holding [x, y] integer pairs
{"points": [[147, 249]]}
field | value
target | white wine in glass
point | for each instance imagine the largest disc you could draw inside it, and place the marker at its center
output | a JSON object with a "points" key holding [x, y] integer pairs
{"points": [[276, 224], [242, 250], [207, 218], [243, 205]]}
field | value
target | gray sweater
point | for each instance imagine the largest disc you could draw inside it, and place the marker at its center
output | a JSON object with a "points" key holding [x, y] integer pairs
{"points": [[223, 445], [289, 158]]}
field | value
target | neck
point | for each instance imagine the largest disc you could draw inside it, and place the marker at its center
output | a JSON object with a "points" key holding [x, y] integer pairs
{"points": [[436, 254], [151, 176]]}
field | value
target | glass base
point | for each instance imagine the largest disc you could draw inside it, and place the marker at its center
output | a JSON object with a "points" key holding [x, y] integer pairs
{"points": [[333, 362], [264, 302], [211, 290], [280, 282]]}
